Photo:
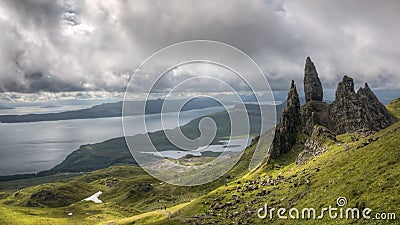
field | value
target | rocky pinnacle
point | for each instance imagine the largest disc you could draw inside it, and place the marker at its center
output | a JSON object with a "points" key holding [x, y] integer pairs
{"points": [[289, 125], [345, 87], [312, 84], [359, 111]]}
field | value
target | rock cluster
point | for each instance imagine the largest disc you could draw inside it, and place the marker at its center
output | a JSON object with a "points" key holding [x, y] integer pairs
{"points": [[239, 204], [146, 186], [351, 112], [46, 197]]}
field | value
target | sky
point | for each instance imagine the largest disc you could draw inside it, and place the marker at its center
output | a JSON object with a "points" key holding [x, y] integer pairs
{"points": [[96, 45]]}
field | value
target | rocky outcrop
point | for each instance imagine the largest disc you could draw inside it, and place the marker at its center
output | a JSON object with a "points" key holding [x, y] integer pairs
{"points": [[289, 125], [359, 111], [313, 113], [46, 197], [317, 144], [351, 112], [345, 88], [312, 85]]}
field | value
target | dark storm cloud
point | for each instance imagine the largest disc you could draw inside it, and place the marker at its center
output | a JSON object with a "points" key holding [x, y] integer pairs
{"points": [[37, 14], [89, 45]]}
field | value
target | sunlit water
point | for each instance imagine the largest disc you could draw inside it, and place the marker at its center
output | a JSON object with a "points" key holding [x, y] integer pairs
{"points": [[234, 145], [32, 147]]}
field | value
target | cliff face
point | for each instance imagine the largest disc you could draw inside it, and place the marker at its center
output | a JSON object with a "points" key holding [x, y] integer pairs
{"points": [[289, 125], [312, 84]]}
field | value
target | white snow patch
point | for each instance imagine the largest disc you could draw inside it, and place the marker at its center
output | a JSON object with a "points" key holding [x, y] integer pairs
{"points": [[94, 198]]}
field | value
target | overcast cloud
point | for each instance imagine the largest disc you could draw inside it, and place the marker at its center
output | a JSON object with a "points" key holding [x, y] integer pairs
{"points": [[49, 45]]}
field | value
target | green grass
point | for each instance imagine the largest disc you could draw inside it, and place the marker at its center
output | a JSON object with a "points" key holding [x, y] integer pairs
{"points": [[82, 213], [149, 217], [24, 183], [361, 175], [123, 197], [394, 107]]}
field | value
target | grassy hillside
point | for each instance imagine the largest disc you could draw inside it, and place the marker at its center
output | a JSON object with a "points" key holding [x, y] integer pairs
{"points": [[127, 191], [97, 156], [365, 170], [394, 107]]}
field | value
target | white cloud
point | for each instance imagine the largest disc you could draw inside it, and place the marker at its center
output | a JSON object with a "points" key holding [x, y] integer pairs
{"points": [[81, 45]]}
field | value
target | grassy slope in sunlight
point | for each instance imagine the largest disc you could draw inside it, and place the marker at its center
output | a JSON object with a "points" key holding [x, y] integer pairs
{"points": [[123, 196], [394, 107], [368, 175]]}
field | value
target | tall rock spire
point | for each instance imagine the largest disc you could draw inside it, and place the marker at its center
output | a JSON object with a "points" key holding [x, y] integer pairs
{"points": [[312, 84], [289, 125]]}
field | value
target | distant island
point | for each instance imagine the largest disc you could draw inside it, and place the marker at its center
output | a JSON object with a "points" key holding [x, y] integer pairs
{"points": [[110, 110]]}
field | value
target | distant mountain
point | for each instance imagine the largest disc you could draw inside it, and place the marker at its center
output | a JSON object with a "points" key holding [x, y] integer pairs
{"points": [[111, 110]]}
